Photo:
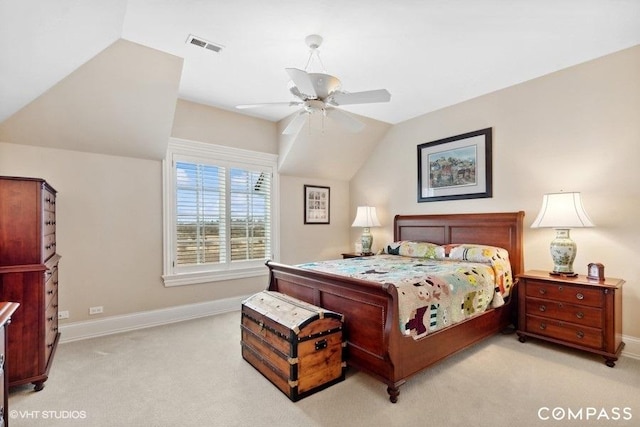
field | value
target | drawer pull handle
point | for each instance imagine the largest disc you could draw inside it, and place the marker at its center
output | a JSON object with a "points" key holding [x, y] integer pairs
{"points": [[560, 288], [543, 326], [50, 319], [579, 296], [580, 334], [49, 292], [580, 315], [542, 308], [542, 291]]}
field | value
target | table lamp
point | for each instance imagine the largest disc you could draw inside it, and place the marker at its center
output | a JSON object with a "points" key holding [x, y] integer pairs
{"points": [[366, 217], [562, 211]]}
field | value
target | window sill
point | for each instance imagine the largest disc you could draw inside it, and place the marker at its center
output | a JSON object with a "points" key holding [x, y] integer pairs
{"points": [[183, 279]]}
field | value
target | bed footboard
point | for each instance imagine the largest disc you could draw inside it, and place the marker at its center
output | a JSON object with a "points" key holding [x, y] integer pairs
{"points": [[368, 308]]}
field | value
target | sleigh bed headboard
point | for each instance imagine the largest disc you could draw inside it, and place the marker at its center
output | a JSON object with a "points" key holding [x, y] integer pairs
{"points": [[494, 229]]}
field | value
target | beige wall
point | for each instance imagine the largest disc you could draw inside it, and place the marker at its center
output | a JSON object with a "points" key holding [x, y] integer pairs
{"points": [[121, 102], [198, 122], [109, 232], [302, 242], [109, 219], [573, 130]]}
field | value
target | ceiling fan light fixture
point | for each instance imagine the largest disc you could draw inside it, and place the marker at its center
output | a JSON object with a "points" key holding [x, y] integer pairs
{"points": [[314, 105]]}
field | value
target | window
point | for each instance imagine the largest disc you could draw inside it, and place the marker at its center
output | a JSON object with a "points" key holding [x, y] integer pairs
{"points": [[220, 216]]}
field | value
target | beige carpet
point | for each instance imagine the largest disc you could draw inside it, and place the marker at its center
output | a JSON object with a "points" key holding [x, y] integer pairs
{"points": [[192, 374]]}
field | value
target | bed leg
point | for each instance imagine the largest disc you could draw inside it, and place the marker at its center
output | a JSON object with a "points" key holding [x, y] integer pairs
{"points": [[393, 393]]}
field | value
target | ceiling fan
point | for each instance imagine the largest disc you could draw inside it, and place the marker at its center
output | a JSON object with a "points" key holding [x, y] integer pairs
{"points": [[321, 93]]}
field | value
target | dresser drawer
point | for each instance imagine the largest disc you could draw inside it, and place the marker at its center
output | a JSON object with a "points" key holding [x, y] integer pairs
{"points": [[565, 293], [48, 246], [50, 284], [48, 200], [49, 223], [581, 335], [579, 314], [51, 326]]}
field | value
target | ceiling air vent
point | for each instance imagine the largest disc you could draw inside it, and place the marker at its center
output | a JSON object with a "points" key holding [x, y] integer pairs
{"points": [[200, 42]]}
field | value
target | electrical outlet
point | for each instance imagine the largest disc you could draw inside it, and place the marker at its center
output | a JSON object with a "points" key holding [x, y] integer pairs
{"points": [[95, 310], [63, 314]]}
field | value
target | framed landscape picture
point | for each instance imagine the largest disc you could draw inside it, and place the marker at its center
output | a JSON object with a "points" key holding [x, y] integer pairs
{"points": [[316, 204], [454, 168]]}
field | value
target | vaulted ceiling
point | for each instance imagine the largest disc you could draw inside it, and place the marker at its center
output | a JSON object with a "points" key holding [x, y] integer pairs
{"points": [[427, 54]]}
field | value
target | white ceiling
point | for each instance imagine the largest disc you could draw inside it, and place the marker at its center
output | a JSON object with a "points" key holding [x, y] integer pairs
{"points": [[428, 53]]}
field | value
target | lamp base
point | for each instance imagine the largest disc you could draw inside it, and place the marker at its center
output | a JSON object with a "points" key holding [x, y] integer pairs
{"points": [[563, 252], [367, 241], [561, 274]]}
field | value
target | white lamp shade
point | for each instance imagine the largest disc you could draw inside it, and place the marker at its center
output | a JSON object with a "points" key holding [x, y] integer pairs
{"points": [[562, 210], [366, 216]]}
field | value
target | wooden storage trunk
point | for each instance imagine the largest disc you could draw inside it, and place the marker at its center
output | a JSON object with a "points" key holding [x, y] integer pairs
{"points": [[297, 346]]}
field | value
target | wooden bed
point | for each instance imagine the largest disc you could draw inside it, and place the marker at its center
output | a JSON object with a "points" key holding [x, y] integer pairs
{"points": [[374, 340]]}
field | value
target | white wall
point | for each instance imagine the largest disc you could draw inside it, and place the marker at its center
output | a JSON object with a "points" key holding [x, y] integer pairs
{"points": [[573, 130]]}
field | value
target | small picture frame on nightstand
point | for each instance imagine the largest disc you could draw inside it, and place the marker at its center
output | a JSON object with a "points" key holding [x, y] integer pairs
{"points": [[595, 271]]}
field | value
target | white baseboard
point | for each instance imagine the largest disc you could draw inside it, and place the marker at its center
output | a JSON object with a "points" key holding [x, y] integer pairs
{"points": [[146, 319], [631, 347]]}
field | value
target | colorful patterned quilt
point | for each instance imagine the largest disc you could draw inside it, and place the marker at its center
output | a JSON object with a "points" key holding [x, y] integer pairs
{"points": [[432, 293]]}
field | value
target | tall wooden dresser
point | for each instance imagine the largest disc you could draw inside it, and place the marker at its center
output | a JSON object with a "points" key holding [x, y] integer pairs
{"points": [[29, 276]]}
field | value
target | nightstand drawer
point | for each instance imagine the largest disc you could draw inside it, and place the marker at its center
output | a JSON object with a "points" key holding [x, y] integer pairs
{"points": [[565, 293], [582, 335], [588, 316]]}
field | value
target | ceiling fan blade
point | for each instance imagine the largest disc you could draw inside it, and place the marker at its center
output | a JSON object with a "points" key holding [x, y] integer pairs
{"points": [[296, 124], [302, 81], [342, 98], [345, 119], [268, 104]]}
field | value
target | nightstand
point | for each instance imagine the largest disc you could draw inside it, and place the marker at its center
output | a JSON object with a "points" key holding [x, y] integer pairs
{"points": [[354, 255], [572, 311]]}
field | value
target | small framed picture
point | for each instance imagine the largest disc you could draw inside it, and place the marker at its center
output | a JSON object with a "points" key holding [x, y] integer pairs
{"points": [[316, 204]]}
